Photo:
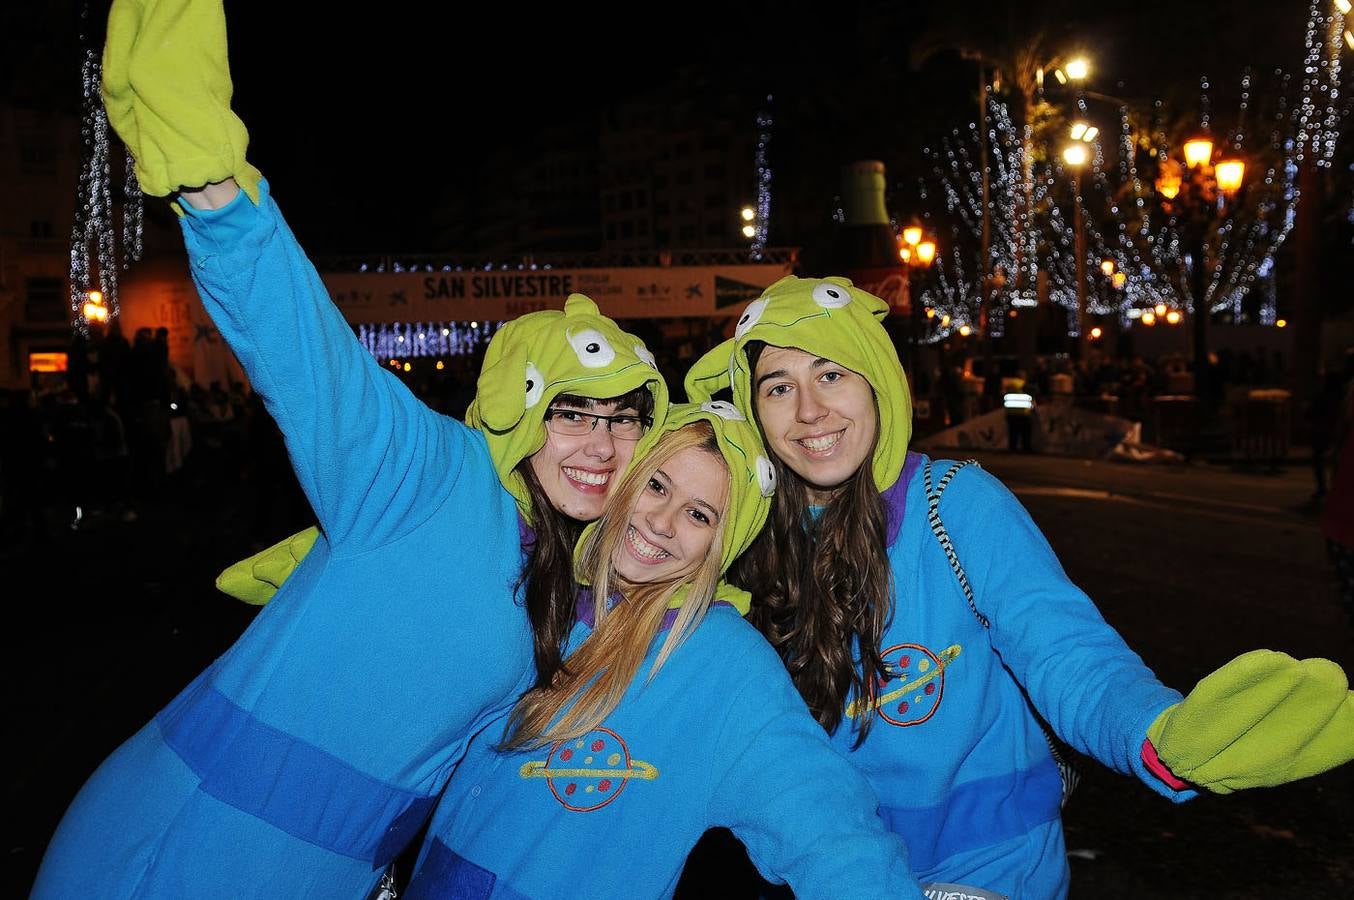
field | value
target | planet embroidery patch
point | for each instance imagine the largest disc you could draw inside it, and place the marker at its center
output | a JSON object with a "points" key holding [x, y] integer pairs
{"points": [[915, 686], [587, 773]]}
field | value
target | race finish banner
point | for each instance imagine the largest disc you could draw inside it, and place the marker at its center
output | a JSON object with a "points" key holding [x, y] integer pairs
{"points": [[621, 293]]}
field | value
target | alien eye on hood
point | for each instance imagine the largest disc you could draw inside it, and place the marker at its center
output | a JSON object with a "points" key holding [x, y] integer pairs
{"points": [[831, 296], [766, 476], [751, 316], [643, 353], [535, 385], [592, 348], [724, 409]]}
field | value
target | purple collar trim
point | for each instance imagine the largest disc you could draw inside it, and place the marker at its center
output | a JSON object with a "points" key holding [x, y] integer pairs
{"points": [[895, 498]]}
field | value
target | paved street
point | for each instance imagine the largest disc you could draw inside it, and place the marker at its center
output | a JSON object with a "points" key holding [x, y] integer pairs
{"points": [[1193, 565]]}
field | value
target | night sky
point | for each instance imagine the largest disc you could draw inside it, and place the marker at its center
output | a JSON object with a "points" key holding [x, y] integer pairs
{"points": [[366, 121]]}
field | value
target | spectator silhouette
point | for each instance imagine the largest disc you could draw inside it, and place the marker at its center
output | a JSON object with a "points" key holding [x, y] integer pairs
{"points": [[1337, 519], [22, 453]]}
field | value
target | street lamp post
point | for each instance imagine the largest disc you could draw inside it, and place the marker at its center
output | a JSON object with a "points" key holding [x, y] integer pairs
{"points": [[1196, 199], [917, 254], [1075, 155]]}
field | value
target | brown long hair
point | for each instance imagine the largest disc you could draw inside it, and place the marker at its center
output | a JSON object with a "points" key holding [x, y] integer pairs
{"points": [[583, 693], [548, 573], [822, 588]]}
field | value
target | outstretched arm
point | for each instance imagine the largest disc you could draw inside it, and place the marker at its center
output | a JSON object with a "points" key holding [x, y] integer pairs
{"points": [[373, 460], [1261, 720]]}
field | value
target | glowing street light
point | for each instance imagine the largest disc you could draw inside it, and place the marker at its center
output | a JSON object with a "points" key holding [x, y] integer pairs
{"points": [[1119, 279], [926, 252], [93, 309], [1076, 154], [1161, 309], [1198, 151], [1078, 69], [1229, 173], [1148, 319], [749, 216], [912, 235], [1096, 333], [1173, 317], [1107, 266]]}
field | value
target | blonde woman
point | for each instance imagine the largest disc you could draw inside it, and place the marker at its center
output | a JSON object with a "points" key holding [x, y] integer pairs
{"points": [[671, 716]]}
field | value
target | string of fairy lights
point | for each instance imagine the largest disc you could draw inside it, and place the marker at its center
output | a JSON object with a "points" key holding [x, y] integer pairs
{"points": [[94, 265], [1033, 246], [761, 162], [398, 342]]}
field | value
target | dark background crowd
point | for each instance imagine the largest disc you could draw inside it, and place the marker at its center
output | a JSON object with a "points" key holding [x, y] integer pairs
{"points": [[123, 427]]}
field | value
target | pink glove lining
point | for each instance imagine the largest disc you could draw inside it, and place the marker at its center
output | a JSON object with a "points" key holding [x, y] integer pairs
{"points": [[1158, 768]]}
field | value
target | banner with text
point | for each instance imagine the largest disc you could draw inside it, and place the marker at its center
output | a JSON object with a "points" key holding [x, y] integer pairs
{"points": [[622, 293]]}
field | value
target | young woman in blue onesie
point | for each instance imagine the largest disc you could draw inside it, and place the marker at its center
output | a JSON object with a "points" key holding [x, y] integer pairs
{"points": [[305, 758], [921, 685], [668, 719]]}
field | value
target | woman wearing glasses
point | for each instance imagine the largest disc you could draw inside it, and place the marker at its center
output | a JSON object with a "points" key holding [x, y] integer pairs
{"points": [[305, 758]]}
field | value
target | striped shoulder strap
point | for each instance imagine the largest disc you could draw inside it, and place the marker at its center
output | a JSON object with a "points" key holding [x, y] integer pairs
{"points": [[1068, 770], [937, 526]]}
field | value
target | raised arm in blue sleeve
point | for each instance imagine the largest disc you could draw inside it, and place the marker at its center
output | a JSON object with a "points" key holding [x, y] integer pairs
{"points": [[373, 460]]}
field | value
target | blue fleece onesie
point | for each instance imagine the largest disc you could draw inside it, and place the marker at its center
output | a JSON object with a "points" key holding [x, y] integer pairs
{"points": [[962, 769], [719, 737], [303, 760]]}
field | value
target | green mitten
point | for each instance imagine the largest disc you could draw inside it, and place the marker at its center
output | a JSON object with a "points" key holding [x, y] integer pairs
{"points": [[255, 580], [1263, 719], [166, 85]]}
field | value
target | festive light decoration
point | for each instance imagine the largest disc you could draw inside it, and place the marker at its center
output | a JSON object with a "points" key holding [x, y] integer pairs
{"points": [[763, 166], [403, 340], [93, 225], [1319, 113], [1131, 222]]}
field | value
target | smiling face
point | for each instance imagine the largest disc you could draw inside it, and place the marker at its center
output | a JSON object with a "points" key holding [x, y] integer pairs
{"points": [[817, 416], [673, 524], [577, 472]]}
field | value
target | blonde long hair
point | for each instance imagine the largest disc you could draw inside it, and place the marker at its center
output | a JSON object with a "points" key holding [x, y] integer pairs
{"points": [[596, 676]]}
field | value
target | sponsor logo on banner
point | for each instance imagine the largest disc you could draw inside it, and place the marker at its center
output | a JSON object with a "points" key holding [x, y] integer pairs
{"points": [[729, 292]]}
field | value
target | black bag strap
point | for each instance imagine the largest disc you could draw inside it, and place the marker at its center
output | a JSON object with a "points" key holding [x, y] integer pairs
{"points": [[1067, 769]]}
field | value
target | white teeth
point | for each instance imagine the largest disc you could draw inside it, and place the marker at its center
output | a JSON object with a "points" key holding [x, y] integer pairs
{"points": [[597, 478], [643, 547], [818, 444]]}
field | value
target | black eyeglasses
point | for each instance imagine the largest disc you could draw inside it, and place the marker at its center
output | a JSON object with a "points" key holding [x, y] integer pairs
{"points": [[575, 422]]}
